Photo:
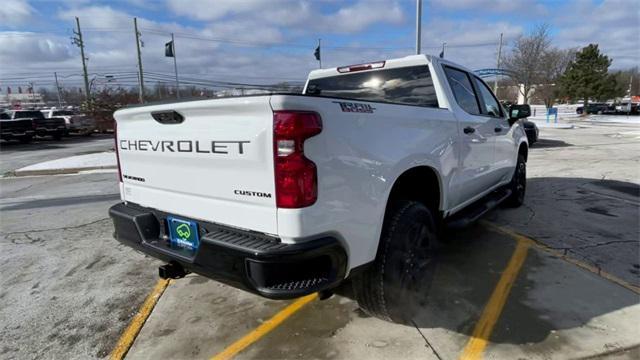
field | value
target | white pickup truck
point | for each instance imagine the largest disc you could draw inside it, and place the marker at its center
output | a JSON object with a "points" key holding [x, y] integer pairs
{"points": [[288, 194]]}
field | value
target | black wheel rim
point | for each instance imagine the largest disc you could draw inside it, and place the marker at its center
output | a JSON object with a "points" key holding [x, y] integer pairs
{"points": [[412, 267], [412, 259]]}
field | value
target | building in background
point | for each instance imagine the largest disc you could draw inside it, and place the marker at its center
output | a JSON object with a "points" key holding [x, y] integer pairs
{"points": [[21, 101]]}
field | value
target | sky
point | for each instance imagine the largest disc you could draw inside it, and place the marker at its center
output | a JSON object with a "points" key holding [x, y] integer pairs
{"points": [[271, 41]]}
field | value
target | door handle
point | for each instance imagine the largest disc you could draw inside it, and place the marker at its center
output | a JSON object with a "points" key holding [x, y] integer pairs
{"points": [[497, 129], [469, 130]]}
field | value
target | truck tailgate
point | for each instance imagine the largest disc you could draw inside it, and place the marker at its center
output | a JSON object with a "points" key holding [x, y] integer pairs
{"points": [[209, 160]]}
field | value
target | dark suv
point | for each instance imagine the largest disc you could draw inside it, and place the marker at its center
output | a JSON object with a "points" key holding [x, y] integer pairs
{"points": [[54, 127], [20, 129], [596, 108]]}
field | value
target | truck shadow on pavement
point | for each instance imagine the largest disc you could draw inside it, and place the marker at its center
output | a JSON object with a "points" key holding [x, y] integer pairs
{"points": [[549, 143], [549, 294]]}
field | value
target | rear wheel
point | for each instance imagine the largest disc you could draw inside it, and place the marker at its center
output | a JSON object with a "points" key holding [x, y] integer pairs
{"points": [[518, 184], [394, 287]]}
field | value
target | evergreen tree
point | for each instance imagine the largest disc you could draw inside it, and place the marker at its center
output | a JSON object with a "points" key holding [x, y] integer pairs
{"points": [[587, 76]]}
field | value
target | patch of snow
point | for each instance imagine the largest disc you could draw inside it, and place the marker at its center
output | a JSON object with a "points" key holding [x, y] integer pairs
{"points": [[622, 119], [542, 123], [88, 161]]}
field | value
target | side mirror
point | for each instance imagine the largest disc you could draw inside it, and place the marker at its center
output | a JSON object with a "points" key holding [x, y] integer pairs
{"points": [[519, 111]]}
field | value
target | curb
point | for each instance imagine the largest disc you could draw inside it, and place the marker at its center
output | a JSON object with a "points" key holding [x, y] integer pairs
{"points": [[18, 173]]}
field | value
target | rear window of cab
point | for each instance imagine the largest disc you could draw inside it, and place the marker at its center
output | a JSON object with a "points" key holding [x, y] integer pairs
{"points": [[411, 85]]}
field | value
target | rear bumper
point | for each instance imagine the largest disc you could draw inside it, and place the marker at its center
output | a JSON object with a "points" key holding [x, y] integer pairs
{"points": [[44, 131], [9, 134], [81, 129], [246, 260]]}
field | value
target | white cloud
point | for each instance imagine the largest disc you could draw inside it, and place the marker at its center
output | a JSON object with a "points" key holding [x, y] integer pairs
{"points": [[108, 33], [362, 15], [471, 43], [347, 19], [24, 47], [15, 12], [615, 29], [517, 7]]}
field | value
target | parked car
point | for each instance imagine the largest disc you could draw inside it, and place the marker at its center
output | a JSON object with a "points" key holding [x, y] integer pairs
{"points": [[626, 108], [288, 194], [53, 127], [596, 108], [531, 129], [22, 130], [75, 123]]}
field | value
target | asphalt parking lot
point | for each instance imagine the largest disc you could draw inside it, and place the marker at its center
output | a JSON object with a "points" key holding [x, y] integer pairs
{"points": [[558, 278]]}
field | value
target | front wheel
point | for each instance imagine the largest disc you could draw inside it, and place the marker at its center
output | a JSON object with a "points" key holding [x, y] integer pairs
{"points": [[394, 287], [518, 184]]}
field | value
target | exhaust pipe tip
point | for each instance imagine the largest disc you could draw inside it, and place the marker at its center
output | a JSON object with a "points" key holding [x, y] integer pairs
{"points": [[172, 270]]}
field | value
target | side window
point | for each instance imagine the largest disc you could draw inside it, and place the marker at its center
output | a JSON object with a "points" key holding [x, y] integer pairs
{"points": [[5, 116], [488, 102], [462, 90]]}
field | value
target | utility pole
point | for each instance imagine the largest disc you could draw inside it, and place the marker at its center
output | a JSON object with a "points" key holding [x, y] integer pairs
{"points": [[320, 53], [418, 26], [495, 82], [140, 76], [78, 41], [55, 74], [175, 66]]}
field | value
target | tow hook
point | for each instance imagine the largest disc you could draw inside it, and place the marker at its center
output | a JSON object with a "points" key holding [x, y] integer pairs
{"points": [[172, 270]]}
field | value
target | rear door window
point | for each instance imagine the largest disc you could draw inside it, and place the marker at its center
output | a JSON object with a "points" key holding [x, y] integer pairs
{"points": [[62, 113], [463, 90], [490, 105], [410, 85], [28, 114]]}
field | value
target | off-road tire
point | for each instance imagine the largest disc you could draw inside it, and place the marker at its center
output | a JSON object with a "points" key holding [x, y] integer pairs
{"points": [[408, 242], [518, 184]]}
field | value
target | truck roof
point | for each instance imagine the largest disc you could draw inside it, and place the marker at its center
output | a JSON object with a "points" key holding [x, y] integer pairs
{"points": [[411, 60]]}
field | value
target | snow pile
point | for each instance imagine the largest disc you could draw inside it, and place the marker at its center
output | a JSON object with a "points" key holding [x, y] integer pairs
{"points": [[103, 160]]}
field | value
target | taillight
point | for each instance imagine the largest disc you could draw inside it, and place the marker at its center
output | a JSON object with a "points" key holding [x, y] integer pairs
{"points": [[115, 137], [34, 125], [295, 176]]}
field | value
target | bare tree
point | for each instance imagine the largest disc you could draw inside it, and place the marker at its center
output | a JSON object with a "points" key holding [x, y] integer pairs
{"points": [[554, 62], [525, 61], [507, 90]]}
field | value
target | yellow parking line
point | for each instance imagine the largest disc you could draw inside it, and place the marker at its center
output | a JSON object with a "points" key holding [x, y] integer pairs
{"points": [[264, 328], [562, 256], [130, 334], [491, 312]]}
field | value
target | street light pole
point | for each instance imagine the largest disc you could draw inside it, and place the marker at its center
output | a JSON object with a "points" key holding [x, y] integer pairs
{"points": [[55, 74], [140, 74], [495, 83], [78, 41]]}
